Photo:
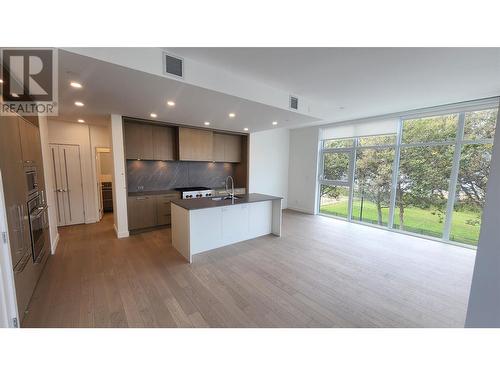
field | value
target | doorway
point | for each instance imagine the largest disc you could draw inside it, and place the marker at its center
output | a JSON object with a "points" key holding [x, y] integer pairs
{"points": [[104, 175], [68, 184]]}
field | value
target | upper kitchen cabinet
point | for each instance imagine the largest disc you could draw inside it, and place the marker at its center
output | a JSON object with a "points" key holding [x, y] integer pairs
{"points": [[232, 148], [30, 142], [149, 142], [138, 141], [226, 148], [195, 145], [163, 143]]}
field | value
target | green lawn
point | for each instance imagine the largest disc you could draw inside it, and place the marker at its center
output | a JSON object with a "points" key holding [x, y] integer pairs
{"points": [[417, 220]]}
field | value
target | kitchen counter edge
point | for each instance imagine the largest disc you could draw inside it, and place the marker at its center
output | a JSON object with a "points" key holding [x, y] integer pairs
{"points": [[202, 203]]}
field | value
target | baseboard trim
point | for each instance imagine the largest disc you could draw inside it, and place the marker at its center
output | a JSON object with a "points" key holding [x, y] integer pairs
{"points": [[121, 234], [54, 244], [301, 210]]}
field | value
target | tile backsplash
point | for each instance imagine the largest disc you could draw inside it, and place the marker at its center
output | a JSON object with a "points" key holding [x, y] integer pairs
{"points": [[167, 175]]}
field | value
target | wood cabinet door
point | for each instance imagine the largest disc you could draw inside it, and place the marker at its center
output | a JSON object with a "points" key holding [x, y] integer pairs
{"points": [[163, 208], [232, 148], [141, 212], [163, 143], [138, 141], [218, 148], [30, 141], [11, 164], [196, 145]]}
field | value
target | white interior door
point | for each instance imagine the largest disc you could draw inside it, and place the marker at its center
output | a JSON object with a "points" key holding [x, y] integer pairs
{"points": [[68, 184], [58, 185], [98, 179]]}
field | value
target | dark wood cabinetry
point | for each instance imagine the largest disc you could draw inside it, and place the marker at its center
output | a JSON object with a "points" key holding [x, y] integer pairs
{"points": [[195, 144], [141, 212], [163, 143], [20, 148], [227, 148], [30, 142], [11, 164], [144, 141], [149, 142], [138, 141], [163, 207], [148, 211]]}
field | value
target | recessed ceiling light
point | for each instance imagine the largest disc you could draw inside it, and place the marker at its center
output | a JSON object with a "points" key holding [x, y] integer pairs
{"points": [[79, 104], [76, 85], [170, 103], [1, 80], [275, 122], [245, 129], [206, 123], [153, 115], [81, 121], [232, 115]]}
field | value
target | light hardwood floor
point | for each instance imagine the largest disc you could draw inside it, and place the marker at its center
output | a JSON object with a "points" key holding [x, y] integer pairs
{"points": [[321, 273]]}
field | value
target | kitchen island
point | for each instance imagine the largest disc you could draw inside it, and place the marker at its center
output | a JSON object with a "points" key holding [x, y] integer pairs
{"points": [[205, 224]]}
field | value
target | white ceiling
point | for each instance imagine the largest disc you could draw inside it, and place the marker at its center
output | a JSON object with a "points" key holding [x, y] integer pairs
{"points": [[346, 83], [109, 88], [365, 81]]}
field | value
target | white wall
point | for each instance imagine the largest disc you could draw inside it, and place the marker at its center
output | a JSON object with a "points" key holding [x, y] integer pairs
{"points": [[87, 137], [119, 178], [302, 173], [269, 154], [49, 182], [100, 136], [484, 300]]}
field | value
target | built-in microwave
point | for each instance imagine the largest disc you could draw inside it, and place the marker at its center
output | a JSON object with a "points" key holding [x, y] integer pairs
{"points": [[31, 180]]}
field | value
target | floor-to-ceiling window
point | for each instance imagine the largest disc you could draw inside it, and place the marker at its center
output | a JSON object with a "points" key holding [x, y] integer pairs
{"points": [[427, 177], [335, 176], [373, 178]]}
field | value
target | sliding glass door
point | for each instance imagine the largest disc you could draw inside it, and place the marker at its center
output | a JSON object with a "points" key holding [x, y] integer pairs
{"points": [[428, 179]]}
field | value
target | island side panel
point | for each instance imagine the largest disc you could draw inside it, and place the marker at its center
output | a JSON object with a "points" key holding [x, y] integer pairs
{"points": [[277, 217], [180, 231], [206, 229], [260, 219]]}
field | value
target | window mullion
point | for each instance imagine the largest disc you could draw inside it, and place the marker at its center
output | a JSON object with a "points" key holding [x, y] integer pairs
{"points": [[452, 187], [352, 162], [395, 174]]}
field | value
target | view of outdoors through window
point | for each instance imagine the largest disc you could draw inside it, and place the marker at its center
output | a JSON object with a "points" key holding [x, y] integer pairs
{"points": [[443, 167], [372, 185]]}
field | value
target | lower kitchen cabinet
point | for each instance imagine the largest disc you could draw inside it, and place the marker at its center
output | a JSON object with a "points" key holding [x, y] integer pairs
{"points": [[163, 208], [141, 212], [147, 211]]}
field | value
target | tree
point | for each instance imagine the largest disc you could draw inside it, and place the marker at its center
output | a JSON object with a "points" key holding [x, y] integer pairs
{"points": [[424, 171], [374, 177]]}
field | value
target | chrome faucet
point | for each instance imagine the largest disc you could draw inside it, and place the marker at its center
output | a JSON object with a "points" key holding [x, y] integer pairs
{"points": [[231, 195]]}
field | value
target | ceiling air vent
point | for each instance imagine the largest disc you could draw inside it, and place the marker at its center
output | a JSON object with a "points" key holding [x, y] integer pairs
{"points": [[173, 65], [294, 102]]}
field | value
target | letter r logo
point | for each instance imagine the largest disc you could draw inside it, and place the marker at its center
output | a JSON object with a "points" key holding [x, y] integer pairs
{"points": [[27, 75]]}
